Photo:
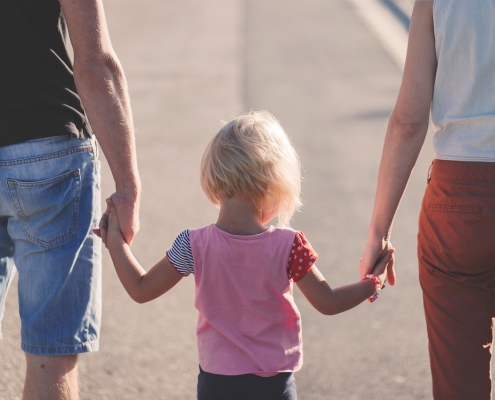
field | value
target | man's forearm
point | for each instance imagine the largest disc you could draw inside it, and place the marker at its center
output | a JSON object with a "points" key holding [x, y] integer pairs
{"points": [[103, 89]]}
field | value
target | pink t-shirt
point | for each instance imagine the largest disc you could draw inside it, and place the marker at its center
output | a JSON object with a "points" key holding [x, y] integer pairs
{"points": [[248, 321]]}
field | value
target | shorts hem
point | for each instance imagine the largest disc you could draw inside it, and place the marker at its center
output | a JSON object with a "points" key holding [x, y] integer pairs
{"points": [[61, 350]]}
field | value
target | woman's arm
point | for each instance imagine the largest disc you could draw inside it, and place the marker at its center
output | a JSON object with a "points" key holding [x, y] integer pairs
{"points": [[406, 132], [330, 301], [142, 286]]}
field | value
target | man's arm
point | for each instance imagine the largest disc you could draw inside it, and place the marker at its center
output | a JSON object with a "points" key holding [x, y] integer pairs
{"points": [[101, 84]]}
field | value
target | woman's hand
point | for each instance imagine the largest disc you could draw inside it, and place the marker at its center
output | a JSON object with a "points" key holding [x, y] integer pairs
{"points": [[374, 253], [384, 265]]}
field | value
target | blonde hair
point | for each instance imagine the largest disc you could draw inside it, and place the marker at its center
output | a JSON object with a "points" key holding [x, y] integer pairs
{"points": [[252, 156]]}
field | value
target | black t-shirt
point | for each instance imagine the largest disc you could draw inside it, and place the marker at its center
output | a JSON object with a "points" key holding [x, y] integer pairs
{"points": [[38, 97]]}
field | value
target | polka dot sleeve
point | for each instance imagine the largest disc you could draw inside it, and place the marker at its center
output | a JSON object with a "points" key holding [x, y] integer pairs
{"points": [[301, 258]]}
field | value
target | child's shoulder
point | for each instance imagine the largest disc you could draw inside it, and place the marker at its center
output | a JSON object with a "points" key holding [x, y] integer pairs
{"points": [[283, 232], [287, 230], [204, 229], [297, 237], [282, 229]]}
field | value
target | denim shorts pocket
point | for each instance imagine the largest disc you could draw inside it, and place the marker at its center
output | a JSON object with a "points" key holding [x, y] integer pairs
{"points": [[49, 208]]}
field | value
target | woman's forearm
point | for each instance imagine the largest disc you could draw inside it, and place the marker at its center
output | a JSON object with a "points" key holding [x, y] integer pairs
{"points": [[405, 134], [403, 143], [409, 121]]}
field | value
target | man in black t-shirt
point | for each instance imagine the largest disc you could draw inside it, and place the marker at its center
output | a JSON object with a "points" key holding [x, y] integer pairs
{"points": [[51, 113]]}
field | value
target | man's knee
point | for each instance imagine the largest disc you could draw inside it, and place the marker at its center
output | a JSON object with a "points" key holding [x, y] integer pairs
{"points": [[44, 363], [51, 377]]}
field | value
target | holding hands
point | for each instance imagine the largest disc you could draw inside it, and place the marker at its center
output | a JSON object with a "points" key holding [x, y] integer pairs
{"points": [[141, 285], [379, 272], [114, 234], [372, 260], [126, 213]]}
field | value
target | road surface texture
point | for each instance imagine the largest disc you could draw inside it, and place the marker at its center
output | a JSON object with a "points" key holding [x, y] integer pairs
{"points": [[314, 65]]}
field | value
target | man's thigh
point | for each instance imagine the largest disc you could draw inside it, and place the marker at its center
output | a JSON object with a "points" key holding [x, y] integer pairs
{"points": [[52, 203]]}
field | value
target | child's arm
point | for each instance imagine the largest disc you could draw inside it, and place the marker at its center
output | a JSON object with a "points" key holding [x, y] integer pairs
{"points": [[330, 301], [142, 286]]}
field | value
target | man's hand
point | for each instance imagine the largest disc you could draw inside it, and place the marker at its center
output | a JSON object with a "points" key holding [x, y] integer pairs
{"points": [[127, 211]]}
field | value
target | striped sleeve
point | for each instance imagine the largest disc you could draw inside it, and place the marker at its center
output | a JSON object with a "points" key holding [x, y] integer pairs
{"points": [[180, 254]]}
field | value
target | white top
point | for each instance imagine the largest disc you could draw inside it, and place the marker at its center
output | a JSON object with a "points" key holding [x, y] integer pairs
{"points": [[463, 107]]}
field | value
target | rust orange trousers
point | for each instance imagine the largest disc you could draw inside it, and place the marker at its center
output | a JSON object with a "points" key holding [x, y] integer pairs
{"points": [[456, 250]]}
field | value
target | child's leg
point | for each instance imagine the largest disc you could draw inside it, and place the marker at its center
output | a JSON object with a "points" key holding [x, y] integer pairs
{"points": [[246, 387]]}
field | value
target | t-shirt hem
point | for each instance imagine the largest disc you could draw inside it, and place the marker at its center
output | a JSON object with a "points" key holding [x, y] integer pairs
{"points": [[230, 372], [465, 159]]}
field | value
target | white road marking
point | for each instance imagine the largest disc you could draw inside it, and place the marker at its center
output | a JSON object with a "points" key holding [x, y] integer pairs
{"points": [[388, 29], [406, 6]]}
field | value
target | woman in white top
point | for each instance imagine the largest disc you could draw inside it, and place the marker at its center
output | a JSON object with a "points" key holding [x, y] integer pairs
{"points": [[450, 70]]}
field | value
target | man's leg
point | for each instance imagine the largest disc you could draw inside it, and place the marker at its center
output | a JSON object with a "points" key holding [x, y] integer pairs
{"points": [[53, 203], [49, 378], [7, 268]]}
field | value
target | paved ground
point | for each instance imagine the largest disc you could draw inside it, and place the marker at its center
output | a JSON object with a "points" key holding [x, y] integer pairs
{"points": [[315, 66]]}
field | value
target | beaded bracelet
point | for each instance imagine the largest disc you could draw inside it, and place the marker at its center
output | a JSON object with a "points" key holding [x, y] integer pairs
{"points": [[377, 286]]}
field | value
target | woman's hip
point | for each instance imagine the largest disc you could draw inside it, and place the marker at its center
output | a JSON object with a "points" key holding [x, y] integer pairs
{"points": [[457, 220]]}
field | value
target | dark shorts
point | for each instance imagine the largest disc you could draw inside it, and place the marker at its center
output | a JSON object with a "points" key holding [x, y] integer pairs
{"points": [[246, 387]]}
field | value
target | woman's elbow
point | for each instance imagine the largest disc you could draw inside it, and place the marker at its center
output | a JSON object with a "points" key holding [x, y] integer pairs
{"points": [[406, 125]]}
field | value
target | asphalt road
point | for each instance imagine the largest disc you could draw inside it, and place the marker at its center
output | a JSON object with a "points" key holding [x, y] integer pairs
{"points": [[314, 65]]}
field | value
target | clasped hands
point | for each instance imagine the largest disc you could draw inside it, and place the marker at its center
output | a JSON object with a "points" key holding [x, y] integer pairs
{"points": [[375, 250], [127, 210]]}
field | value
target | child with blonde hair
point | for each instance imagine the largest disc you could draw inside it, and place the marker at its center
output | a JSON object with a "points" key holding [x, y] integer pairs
{"points": [[249, 327]]}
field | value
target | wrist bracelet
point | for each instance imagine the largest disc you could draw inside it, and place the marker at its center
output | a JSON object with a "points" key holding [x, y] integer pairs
{"points": [[377, 286]]}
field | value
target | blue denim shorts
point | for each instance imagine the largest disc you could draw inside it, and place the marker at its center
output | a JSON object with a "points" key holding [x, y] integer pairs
{"points": [[49, 204]]}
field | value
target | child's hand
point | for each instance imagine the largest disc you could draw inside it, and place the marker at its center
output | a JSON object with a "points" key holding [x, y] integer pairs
{"points": [[114, 234], [102, 229], [380, 268], [373, 252]]}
